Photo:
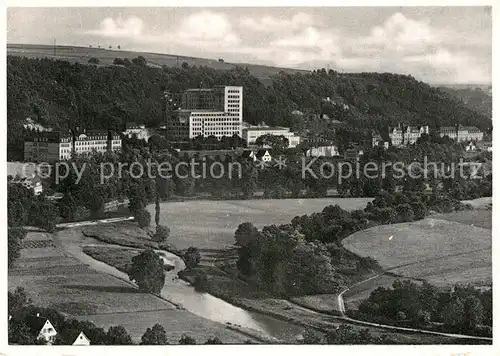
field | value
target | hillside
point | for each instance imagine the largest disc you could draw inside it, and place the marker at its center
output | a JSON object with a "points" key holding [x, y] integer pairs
{"points": [[63, 94], [106, 56], [475, 98]]}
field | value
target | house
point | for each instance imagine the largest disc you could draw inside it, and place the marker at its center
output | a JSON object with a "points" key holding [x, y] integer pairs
{"points": [[263, 155], [353, 154], [251, 134], [32, 182], [42, 327], [323, 151], [140, 131], [81, 340], [249, 154], [471, 146]]}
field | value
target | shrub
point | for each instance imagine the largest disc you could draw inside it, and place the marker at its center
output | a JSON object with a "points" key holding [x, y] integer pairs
{"points": [[143, 218], [192, 257]]}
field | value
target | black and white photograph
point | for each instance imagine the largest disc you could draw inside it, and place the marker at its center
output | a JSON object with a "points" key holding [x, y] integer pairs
{"points": [[248, 175]]}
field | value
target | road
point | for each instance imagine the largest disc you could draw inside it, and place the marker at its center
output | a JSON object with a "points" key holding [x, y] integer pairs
{"points": [[340, 301]]}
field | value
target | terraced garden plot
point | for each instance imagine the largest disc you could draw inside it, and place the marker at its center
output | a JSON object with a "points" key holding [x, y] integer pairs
{"points": [[175, 322]]}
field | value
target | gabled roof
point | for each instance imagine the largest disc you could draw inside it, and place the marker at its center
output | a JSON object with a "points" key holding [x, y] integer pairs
{"points": [[261, 153]]}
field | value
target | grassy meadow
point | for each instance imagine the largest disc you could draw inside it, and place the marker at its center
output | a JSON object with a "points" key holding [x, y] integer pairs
{"points": [[211, 224], [441, 251]]}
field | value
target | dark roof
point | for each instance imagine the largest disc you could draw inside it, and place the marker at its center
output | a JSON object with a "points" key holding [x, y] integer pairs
{"points": [[246, 154], [49, 136]]}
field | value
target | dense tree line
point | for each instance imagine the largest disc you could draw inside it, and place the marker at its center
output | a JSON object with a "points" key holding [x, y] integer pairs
{"points": [[306, 256], [63, 95], [463, 309]]}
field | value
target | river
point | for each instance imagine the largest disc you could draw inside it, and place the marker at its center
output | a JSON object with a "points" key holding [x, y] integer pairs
{"points": [[182, 293]]}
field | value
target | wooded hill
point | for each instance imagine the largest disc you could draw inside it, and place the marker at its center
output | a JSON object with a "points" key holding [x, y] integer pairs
{"points": [[62, 95]]}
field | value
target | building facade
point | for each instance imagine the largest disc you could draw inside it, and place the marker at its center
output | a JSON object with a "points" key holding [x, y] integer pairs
{"points": [[462, 133], [89, 141], [140, 131], [204, 112], [323, 151], [55, 146], [251, 134], [408, 135]]}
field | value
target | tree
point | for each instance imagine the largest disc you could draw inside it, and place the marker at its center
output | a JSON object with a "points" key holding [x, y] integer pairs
{"points": [[192, 257], [148, 272], [245, 234], [473, 312], [187, 340], [276, 143], [44, 214], [162, 233], [453, 314], [155, 336], [18, 300], [311, 337], [93, 60], [140, 61], [117, 335], [157, 208], [143, 218]]}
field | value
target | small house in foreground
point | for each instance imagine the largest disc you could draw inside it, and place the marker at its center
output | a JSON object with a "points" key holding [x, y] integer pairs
{"points": [[81, 340]]}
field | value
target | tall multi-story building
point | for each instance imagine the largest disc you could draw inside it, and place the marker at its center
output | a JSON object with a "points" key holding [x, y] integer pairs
{"points": [[51, 146], [48, 146], [88, 141], [251, 134], [204, 112], [461, 133], [406, 135]]}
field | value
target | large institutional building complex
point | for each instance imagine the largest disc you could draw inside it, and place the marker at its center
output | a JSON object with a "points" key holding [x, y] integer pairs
{"points": [[462, 133], [51, 146], [204, 112], [406, 135]]}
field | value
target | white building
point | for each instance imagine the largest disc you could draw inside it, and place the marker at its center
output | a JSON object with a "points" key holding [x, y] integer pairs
{"points": [[206, 112], [32, 182], [140, 131], [462, 133], [42, 327], [263, 155], [251, 134], [89, 141], [323, 151], [406, 136]]}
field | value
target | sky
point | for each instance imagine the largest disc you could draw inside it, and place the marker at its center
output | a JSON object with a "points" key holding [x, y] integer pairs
{"points": [[439, 45]]}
